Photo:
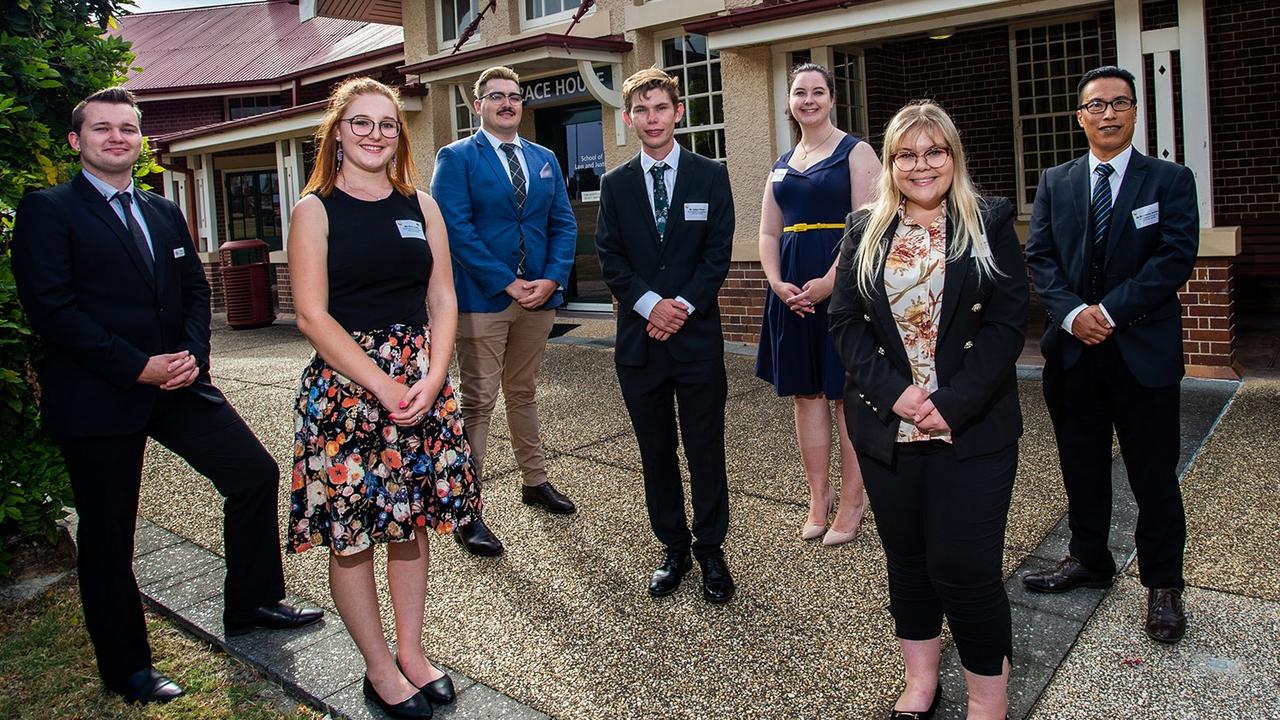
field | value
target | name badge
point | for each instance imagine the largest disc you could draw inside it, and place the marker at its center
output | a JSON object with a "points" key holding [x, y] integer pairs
{"points": [[411, 229], [777, 175], [545, 172], [179, 252], [1145, 216], [695, 212], [980, 247]]}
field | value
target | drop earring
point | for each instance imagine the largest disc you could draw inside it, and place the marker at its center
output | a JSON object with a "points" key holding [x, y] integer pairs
{"points": [[339, 156]]}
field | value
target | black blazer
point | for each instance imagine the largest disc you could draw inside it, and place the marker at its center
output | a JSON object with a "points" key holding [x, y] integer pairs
{"points": [[100, 313], [982, 328], [1144, 267], [691, 260]]}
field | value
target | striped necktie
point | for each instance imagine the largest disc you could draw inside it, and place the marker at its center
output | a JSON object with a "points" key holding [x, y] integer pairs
{"points": [[1100, 205], [522, 191]]}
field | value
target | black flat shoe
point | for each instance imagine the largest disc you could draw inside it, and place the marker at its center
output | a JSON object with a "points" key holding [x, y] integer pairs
{"points": [[439, 691], [547, 497], [147, 686], [476, 538], [666, 578], [416, 707], [925, 715], [277, 616], [717, 582]]}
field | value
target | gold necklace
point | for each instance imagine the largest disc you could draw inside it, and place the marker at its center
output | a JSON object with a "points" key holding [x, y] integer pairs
{"points": [[804, 151], [358, 193]]}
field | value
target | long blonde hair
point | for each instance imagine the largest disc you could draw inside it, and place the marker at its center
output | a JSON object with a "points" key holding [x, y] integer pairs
{"points": [[401, 171], [962, 199]]}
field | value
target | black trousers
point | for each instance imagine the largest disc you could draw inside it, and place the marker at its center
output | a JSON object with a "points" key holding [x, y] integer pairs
{"points": [[942, 522], [651, 394], [1085, 403], [106, 477]]}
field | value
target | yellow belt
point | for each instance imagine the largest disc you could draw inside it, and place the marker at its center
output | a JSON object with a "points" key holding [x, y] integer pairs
{"points": [[802, 227]]}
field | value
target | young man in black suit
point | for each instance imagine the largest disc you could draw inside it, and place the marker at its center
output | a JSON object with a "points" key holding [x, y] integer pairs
{"points": [[1114, 235], [111, 282], [665, 235]]}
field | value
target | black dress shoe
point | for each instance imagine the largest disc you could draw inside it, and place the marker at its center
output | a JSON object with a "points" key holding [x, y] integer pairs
{"points": [[1068, 574], [476, 538], [920, 715], [666, 578], [277, 616], [1166, 620], [548, 497], [717, 582], [439, 691], [415, 707], [147, 686]]}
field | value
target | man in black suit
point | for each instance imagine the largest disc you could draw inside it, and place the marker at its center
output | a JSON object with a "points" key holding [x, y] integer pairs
{"points": [[665, 235], [1114, 235], [112, 284]]}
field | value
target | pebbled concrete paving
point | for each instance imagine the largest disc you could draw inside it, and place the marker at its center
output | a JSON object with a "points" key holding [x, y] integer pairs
{"points": [[560, 626]]}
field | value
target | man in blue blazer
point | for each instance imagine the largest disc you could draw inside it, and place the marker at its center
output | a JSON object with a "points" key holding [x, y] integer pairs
{"points": [[512, 235], [1114, 235]]}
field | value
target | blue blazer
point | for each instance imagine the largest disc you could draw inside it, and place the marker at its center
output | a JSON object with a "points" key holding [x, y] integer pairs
{"points": [[485, 227], [1145, 266]]}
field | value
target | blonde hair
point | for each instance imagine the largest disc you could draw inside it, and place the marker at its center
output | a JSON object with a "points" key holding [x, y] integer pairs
{"points": [[650, 79], [401, 171], [962, 198], [498, 72]]}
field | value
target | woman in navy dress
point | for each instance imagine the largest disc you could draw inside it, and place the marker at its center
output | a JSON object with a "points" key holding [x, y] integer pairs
{"points": [[810, 191]]}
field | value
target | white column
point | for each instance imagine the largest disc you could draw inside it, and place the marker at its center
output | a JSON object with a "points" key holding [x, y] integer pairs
{"points": [[782, 128], [1196, 136], [207, 203], [1129, 57], [1166, 148], [284, 185]]}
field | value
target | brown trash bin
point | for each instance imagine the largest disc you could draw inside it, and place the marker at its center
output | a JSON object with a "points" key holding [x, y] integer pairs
{"points": [[246, 283]]}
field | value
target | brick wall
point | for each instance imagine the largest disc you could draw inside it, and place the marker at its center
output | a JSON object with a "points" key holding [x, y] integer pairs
{"points": [[217, 299], [284, 288], [160, 117], [742, 302], [1208, 319]]}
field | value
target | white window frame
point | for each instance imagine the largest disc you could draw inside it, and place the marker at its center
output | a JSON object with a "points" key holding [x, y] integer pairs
{"points": [[448, 43], [226, 197], [460, 95], [527, 22], [860, 102], [1020, 164], [660, 38]]}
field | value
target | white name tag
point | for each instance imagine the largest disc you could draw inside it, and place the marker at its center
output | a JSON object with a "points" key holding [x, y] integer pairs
{"points": [[1144, 216], [410, 229], [545, 172], [695, 212], [777, 175], [980, 247], [179, 252]]}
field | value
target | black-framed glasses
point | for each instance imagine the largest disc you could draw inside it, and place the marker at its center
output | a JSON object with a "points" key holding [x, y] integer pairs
{"points": [[363, 126], [934, 157], [495, 96], [1097, 107]]}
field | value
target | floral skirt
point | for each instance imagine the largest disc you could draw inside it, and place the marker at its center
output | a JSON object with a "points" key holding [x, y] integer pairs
{"points": [[360, 479]]}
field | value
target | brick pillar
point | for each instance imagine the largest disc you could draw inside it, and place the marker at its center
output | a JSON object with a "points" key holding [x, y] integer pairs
{"points": [[217, 301], [742, 302], [284, 288], [1208, 320]]}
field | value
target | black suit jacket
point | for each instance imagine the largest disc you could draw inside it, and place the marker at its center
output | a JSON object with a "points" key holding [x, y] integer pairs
{"points": [[100, 313], [1143, 270], [981, 332], [691, 260]]}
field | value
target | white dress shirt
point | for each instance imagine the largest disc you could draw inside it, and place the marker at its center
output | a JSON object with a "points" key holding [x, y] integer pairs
{"points": [[108, 192], [646, 303], [1118, 164], [502, 155]]}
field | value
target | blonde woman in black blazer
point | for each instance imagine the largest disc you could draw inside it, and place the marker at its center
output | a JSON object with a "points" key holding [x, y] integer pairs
{"points": [[929, 317]]}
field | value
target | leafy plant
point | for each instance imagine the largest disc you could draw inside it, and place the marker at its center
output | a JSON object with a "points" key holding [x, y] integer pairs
{"points": [[53, 53]]}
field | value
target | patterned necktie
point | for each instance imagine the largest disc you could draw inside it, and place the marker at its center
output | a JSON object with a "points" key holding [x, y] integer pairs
{"points": [[1100, 205], [518, 183], [658, 172], [139, 238]]}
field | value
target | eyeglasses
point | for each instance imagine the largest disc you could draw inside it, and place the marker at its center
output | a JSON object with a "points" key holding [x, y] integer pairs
{"points": [[934, 157], [495, 96], [364, 126], [1097, 107]]}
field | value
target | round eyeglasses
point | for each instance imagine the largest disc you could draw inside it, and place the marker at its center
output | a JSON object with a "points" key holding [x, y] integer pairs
{"points": [[497, 97], [934, 157], [1097, 107], [364, 126]]}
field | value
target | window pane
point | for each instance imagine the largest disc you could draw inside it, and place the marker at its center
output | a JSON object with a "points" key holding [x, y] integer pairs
{"points": [[671, 56], [699, 110], [699, 80]]}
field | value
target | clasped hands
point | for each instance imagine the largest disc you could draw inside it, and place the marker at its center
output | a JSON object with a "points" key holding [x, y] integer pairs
{"points": [[408, 405], [666, 318], [170, 371], [531, 294], [1091, 326], [915, 407], [803, 301]]}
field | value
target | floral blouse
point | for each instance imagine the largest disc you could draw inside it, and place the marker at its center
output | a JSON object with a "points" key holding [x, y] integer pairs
{"points": [[913, 279]]}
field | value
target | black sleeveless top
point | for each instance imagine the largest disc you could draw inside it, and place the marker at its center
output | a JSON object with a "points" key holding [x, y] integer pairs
{"points": [[379, 261]]}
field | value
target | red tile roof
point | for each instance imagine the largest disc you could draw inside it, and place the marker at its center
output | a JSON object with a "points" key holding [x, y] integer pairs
{"points": [[243, 44]]}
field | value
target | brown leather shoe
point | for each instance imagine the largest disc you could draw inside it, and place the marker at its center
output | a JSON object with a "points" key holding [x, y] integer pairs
{"points": [[1069, 574], [1166, 620], [547, 497]]}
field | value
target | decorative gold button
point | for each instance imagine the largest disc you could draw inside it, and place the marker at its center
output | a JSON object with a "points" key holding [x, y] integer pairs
{"points": [[866, 318], [977, 307], [880, 350], [968, 344]]}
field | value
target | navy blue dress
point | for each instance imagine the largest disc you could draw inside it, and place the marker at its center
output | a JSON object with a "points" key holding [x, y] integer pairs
{"points": [[797, 355]]}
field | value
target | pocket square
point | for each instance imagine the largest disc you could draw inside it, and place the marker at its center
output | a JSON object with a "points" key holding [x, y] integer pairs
{"points": [[545, 172]]}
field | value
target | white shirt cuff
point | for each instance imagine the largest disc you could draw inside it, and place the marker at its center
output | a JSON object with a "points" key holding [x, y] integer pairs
{"points": [[688, 306], [1071, 317], [646, 303], [1106, 315]]}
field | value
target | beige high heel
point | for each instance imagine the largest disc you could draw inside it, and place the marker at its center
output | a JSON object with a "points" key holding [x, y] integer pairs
{"points": [[835, 537], [813, 532]]}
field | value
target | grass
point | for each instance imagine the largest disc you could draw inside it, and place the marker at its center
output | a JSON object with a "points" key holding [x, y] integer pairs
{"points": [[48, 671]]}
